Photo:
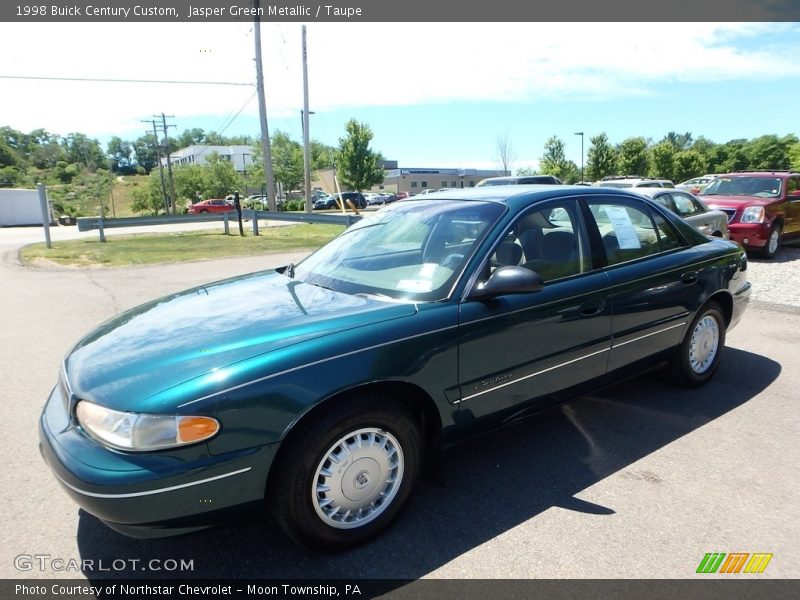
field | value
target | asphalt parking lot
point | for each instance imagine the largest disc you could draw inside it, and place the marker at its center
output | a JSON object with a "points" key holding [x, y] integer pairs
{"points": [[637, 481]]}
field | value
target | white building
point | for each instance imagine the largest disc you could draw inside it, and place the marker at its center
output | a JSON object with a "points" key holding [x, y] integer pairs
{"points": [[241, 156]]}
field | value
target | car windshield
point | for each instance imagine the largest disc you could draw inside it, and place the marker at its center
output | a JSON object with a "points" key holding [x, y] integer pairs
{"points": [[412, 251], [762, 187]]}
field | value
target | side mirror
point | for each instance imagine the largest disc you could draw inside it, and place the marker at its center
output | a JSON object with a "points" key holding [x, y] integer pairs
{"points": [[508, 280]]}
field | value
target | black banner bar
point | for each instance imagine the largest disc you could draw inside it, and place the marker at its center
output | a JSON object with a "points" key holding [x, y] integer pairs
{"points": [[443, 11]]}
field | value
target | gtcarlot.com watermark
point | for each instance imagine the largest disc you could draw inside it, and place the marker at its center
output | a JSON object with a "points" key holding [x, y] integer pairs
{"points": [[48, 562]]}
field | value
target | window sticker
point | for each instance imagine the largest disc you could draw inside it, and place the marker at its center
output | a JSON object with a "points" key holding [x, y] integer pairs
{"points": [[623, 227]]}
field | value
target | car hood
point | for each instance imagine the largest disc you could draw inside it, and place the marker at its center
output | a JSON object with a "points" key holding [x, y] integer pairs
{"points": [[735, 201], [178, 338]]}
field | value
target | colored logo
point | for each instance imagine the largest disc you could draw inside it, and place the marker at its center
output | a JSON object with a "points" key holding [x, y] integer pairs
{"points": [[735, 562]]}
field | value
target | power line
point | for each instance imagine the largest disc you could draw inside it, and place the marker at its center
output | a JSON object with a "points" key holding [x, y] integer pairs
{"points": [[109, 80]]}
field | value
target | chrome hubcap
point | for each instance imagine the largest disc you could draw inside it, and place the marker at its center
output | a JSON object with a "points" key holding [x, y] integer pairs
{"points": [[358, 478], [773, 241], [704, 344]]}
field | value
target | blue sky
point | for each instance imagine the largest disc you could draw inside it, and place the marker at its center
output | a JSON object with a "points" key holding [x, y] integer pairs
{"points": [[437, 97]]}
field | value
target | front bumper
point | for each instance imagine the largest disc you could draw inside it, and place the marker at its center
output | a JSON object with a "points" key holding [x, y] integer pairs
{"points": [[741, 299], [749, 235], [151, 494]]}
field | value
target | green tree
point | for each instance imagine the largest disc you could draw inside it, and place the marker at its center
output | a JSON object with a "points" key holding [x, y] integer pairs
{"points": [[219, 177], [662, 160], [688, 164], [357, 165], [145, 149], [84, 150], [678, 141], [554, 161], [120, 153], [633, 156], [794, 157], [322, 156], [601, 160], [525, 171], [287, 161], [769, 152], [190, 137], [190, 182]]}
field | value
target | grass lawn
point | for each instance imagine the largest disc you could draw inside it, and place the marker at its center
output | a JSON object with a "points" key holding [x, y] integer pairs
{"points": [[124, 250]]}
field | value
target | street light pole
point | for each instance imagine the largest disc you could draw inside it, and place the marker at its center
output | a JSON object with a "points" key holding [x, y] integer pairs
{"points": [[580, 133]]}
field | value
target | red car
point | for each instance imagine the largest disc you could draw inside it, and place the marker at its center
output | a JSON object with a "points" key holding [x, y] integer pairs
{"points": [[211, 206], [763, 207]]}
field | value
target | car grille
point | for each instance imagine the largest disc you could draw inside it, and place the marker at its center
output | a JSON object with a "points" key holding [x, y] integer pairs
{"points": [[731, 212]]}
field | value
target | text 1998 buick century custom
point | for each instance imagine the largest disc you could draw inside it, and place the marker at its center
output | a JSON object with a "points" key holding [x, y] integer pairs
{"points": [[320, 395]]}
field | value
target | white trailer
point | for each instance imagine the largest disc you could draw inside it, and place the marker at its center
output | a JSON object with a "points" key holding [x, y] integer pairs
{"points": [[21, 207]]}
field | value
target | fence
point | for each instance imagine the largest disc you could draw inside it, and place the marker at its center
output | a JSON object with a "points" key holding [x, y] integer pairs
{"points": [[101, 224]]}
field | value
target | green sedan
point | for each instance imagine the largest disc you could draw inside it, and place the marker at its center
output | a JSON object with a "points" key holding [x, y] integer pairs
{"points": [[317, 392]]}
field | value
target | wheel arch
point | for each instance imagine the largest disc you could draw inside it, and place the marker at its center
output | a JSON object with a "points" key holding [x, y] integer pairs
{"points": [[421, 404], [725, 300]]}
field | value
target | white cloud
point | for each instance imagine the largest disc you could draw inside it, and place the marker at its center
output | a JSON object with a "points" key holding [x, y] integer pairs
{"points": [[375, 64]]}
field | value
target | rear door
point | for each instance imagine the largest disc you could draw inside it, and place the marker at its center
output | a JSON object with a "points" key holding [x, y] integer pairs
{"points": [[652, 274]]}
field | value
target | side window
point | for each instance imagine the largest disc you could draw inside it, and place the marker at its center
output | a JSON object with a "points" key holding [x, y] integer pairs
{"points": [[548, 240], [627, 230], [792, 186], [685, 206], [668, 238]]}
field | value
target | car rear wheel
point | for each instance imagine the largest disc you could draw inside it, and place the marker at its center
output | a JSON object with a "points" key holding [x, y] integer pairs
{"points": [[773, 242], [343, 475], [698, 356]]}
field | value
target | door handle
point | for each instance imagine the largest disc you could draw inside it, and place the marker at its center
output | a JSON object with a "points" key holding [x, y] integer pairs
{"points": [[592, 308], [690, 277]]}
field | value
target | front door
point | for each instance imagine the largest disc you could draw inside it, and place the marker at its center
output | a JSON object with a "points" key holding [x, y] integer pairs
{"points": [[516, 350]]}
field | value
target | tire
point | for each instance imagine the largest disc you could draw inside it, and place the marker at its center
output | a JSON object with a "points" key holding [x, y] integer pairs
{"points": [[698, 356], [773, 242], [380, 443]]}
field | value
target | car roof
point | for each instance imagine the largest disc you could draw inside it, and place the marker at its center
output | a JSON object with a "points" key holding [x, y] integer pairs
{"points": [[519, 196], [761, 174]]}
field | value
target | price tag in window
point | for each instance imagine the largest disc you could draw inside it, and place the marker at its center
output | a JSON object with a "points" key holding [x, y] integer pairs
{"points": [[624, 229]]}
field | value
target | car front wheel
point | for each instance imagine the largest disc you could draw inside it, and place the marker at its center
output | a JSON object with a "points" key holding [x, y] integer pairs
{"points": [[343, 475], [698, 356], [773, 242]]}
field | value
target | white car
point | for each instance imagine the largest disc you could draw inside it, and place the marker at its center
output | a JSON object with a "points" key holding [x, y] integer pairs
{"points": [[633, 181], [374, 199]]}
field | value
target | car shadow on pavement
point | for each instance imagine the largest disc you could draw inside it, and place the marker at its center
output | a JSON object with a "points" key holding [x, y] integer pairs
{"points": [[490, 485]]}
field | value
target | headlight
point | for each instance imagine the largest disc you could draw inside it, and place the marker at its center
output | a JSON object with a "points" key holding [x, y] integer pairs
{"points": [[142, 432], [753, 214]]}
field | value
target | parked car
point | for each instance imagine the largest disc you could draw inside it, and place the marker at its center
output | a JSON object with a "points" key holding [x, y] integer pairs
{"points": [[403, 195], [215, 205], [521, 180], [374, 199], [763, 207], [332, 201], [260, 200], [697, 184], [388, 197], [427, 191], [691, 209], [322, 397], [633, 181]]}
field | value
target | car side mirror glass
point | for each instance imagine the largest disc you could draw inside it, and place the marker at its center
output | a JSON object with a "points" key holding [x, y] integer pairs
{"points": [[508, 280]]}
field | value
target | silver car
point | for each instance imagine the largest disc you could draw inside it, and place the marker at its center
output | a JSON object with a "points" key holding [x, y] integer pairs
{"points": [[691, 209]]}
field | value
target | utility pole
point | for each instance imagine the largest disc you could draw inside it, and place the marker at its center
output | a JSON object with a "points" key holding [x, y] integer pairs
{"points": [[306, 159], [169, 161], [580, 133], [266, 154], [160, 168]]}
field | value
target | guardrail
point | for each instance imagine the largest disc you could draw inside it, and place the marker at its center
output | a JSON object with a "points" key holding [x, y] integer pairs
{"points": [[101, 224]]}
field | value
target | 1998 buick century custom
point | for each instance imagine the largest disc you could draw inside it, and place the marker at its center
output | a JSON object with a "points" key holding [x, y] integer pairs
{"points": [[316, 392]]}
